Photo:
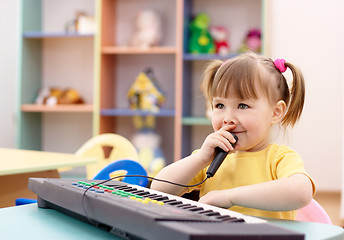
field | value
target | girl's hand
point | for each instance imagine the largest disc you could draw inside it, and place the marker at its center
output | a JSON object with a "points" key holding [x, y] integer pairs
{"points": [[218, 198], [221, 138]]}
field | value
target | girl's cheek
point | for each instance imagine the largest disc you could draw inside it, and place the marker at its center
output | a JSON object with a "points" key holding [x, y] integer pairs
{"points": [[216, 125]]}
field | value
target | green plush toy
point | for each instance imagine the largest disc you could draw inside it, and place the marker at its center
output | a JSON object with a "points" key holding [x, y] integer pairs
{"points": [[200, 38]]}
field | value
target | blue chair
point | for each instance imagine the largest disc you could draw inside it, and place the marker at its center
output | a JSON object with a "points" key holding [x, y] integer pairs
{"points": [[24, 201], [131, 167]]}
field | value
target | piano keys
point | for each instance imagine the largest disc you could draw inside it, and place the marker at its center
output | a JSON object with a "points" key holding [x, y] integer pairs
{"points": [[134, 212]]}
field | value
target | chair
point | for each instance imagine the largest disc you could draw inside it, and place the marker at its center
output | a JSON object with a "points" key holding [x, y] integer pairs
{"points": [[120, 148], [313, 212], [24, 201], [131, 167]]}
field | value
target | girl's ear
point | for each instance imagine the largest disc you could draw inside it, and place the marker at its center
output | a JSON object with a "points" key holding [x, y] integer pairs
{"points": [[279, 111]]}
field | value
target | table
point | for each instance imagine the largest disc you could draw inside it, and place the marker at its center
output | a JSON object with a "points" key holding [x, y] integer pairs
{"points": [[31, 222], [18, 165]]}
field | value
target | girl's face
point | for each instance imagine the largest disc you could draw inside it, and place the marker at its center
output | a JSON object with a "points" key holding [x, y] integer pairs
{"points": [[250, 120]]}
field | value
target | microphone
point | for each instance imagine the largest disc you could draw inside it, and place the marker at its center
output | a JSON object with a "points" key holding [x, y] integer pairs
{"points": [[220, 155]]}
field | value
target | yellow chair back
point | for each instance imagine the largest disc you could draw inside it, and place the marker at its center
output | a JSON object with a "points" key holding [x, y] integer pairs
{"points": [[119, 147]]}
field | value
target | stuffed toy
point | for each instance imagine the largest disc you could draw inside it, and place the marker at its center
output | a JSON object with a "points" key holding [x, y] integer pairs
{"points": [[220, 35], [144, 93], [148, 29], [55, 96], [200, 39], [82, 24], [147, 142], [252, 41], [151, 157]]}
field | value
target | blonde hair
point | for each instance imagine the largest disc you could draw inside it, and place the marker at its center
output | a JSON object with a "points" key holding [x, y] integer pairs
{"points": [[245, 74]]}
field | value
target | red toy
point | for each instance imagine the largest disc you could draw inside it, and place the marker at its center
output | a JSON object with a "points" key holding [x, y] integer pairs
{"points": [[220, 35]]}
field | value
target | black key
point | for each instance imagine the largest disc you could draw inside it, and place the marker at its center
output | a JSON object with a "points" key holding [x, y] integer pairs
{"points": [[175, 203], [159, 198], [206, 211], [126, 188], [230, 219], [188, 207], [184, 205], [168, 201], [224, 217], [145, 194], [139, 192], [213, 214], [195, 209], [152, 195]]}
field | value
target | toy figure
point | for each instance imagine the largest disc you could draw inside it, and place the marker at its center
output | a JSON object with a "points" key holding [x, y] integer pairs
{"points": [[82, 24], [200, 39], [148, 29], [145, 94], [220, 35], [147, 142], [252, 42], [55, 96]]}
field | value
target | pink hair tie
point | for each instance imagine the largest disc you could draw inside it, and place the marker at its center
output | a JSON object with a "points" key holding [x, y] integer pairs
{"points": [[279, 63], [224, 63]]}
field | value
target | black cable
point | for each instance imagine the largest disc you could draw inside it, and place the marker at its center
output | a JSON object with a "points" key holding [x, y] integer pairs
{"points": [[152, 178]]}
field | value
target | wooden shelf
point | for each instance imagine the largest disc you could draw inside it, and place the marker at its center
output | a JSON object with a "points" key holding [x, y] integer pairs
{"points": [[206, 57], [129, 112], [39, 34], [135, 50], [87, 108], [196, 121]]}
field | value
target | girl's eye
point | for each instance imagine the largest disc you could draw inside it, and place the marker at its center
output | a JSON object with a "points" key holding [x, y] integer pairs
{"points": [[243, 106], [219, 106]]}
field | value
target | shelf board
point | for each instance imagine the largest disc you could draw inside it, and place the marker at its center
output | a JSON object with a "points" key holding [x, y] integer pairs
{"points": [[207, 57], [129, 112], [137, 50], [196, 121], [57, 108], [40, 34]]}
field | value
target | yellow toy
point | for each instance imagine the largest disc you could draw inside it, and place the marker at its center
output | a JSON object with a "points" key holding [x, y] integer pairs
{"points": [[145, 94], [147, 142], [55, 96]]}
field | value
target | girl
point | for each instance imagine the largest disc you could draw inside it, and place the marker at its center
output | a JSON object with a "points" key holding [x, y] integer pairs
{"points": [[248, 95]]}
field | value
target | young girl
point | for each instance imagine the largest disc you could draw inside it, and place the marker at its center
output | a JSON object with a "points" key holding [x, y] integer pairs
{"points": [[248, 95]]}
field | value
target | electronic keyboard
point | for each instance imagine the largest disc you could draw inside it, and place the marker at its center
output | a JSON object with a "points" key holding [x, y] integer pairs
{"points": [[134, 212]]}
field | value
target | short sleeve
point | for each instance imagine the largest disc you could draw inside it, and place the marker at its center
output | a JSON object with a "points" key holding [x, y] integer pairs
{"points": [[288, 162]]}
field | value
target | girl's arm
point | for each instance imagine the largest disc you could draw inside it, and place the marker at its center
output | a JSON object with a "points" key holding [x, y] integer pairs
{"points": [[284, 194], [180, 172], [184, 170]]}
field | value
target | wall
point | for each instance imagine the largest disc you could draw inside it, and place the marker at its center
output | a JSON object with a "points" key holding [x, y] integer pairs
{"points": [[308, 34], [8, 57], [310, 37]]}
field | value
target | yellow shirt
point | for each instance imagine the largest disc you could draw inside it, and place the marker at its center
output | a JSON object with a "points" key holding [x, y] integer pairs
{"points": [[247, 168]]}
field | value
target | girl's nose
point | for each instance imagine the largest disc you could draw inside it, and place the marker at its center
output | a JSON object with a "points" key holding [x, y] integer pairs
{"points": [[229, 121]]}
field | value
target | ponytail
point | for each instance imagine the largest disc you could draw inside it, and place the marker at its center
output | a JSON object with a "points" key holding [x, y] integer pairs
{"points": [[296, 99], [208, 85]]}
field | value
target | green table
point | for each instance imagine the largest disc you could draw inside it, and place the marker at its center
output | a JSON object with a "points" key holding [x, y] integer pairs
{"points": [[31, 222]]}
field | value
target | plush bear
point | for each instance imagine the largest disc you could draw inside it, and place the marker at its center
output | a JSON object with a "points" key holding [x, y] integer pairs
{"points": [[200, 39], [55, 96], [220, 35], [148, 29]]}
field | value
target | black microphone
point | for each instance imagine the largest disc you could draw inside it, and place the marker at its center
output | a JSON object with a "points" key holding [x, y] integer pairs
{"points": [[220, 155]]}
